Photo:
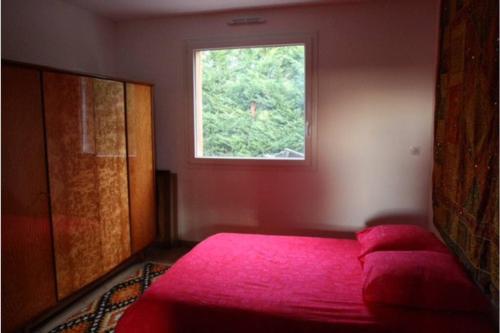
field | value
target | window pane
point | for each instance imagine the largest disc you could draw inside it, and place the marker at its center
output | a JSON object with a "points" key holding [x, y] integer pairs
{"points": [[251, 103]]}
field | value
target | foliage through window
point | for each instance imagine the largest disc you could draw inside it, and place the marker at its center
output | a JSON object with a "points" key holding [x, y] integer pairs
{"points": [[250, 103]]}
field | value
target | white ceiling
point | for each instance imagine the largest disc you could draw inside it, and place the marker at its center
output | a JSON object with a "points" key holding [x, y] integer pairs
{"points": [[133, 9]]}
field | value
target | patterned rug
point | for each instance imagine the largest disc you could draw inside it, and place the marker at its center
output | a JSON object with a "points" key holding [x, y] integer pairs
{"points": [[102, 315]]}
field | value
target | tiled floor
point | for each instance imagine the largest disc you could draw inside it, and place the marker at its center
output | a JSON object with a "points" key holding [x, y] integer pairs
{"points": [[159, 255]]}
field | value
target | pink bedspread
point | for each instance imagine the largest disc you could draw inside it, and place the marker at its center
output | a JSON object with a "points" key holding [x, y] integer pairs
{"points": [[253, 283]]}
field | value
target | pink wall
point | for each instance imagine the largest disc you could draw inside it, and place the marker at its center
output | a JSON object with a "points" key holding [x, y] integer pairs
{"points": [[54, 33], [376, 76]]}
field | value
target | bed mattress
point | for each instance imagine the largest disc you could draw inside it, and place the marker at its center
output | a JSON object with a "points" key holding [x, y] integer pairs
{"points": [[256, 283]]}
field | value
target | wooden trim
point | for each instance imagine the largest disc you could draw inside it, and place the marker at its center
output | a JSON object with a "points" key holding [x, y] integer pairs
{"points": [[162, 194], [47, 175], [173, 199], [198, 148], [7, 62], [125, 110], [166, 193], [153, 155]]}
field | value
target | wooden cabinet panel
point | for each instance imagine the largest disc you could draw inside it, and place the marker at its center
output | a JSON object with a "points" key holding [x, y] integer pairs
{"points": [[28, 281], [112, 182], [69, 120], [141, 167], [85, 125]]}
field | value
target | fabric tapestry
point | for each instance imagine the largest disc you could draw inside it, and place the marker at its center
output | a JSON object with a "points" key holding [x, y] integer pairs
{"points": [[465, 191]]}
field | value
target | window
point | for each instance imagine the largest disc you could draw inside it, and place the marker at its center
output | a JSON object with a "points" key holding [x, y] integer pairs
{"points": [[251, 101]]}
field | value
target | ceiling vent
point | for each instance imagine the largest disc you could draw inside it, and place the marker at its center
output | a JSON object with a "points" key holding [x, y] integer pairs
{"points": [[246, 20]]}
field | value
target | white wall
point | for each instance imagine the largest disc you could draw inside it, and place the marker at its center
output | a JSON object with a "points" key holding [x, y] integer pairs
{"points": [[56, 34], [376, 76], [376, 67]]}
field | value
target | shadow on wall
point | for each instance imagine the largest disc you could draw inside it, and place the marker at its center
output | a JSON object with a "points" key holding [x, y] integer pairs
{"points": [[399, 218], [317, 230], [276, 230]]}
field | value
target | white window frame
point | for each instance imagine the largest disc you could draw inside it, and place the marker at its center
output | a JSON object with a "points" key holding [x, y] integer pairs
{"points": [[310, 43]]}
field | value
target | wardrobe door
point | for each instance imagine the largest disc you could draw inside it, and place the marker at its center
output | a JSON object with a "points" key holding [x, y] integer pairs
{"points": [[141, 165], [28, 279], [111, 162], [85, 126], [69, 121]]}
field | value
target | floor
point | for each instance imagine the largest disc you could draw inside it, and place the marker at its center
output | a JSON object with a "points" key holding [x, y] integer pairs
{"points": [[155, 254]]}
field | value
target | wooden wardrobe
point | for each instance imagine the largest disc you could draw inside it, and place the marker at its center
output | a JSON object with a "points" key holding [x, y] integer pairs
{"points": [[78, 186]]}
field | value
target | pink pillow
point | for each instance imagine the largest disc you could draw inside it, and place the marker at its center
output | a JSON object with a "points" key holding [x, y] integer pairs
{"points": [[422, 279], [398, 237]]}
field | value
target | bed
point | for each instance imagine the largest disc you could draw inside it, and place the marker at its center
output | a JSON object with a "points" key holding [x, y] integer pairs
{"points": [[257, 283]]}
